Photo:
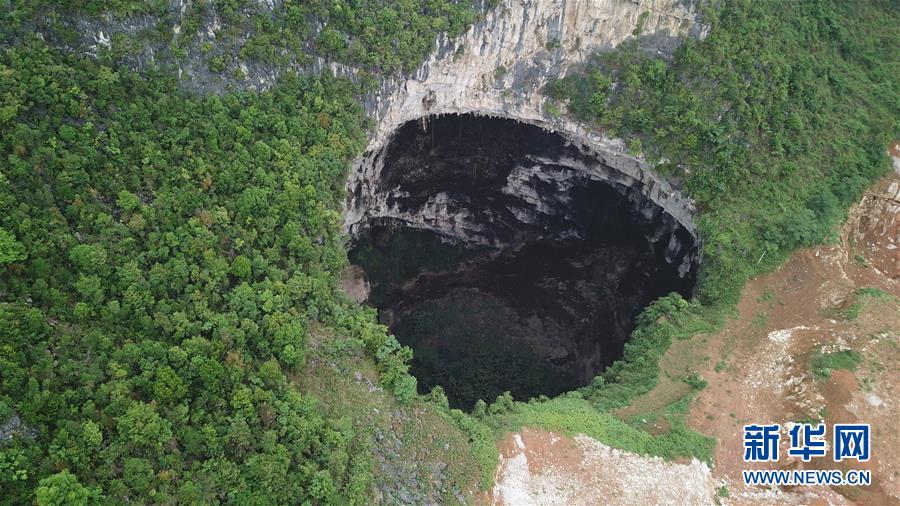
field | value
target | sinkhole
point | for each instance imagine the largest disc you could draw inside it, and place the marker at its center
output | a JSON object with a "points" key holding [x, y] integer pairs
{"points": [[509, 257]]}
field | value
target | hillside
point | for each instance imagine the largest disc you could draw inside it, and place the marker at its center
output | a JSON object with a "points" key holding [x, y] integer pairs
{"points": [[548, 198]]}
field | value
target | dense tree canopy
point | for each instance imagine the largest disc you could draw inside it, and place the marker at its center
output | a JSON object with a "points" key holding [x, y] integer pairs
{"points": [[164, 258], [775, 123], [376, 35]]}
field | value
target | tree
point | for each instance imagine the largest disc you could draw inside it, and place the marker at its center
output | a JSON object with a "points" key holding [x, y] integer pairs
{"points": [[168, 388], [63, 489], [88, 257], [10, 250], [142, 427], [241, 267]]}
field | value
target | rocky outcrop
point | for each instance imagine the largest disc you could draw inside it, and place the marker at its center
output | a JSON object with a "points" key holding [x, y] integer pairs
{"points": [[499, 67]]}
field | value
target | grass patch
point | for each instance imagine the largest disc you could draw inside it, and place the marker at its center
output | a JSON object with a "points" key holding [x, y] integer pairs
{"points": [[871, 291], [760, 319], [766, 296], [852, 311], [824, 363], [571, 414], [695, 381], [865, 296]]}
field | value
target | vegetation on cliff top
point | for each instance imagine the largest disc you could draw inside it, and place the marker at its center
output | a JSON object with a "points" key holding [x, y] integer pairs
{"points": [[376, 35], [166, 260], [774, 124]]}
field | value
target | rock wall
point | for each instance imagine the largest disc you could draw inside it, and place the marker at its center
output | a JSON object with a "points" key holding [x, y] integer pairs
{"points": [[499, 67], [500, 184]]}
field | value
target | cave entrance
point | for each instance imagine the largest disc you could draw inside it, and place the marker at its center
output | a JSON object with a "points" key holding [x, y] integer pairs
{"points": [[507, 258]]}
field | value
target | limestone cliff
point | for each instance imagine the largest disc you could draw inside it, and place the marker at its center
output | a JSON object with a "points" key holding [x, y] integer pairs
{"points": [[499, 67]]}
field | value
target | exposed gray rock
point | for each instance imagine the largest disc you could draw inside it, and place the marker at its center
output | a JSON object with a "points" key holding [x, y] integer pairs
{"points": [[498, 68], [14, 427]]}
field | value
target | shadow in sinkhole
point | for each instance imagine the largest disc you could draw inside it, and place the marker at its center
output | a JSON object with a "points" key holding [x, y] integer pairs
{"points": [[501, 258]]}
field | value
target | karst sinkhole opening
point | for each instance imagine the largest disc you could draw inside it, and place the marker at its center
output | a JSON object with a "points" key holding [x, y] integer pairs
{"points": [[508, 257]]}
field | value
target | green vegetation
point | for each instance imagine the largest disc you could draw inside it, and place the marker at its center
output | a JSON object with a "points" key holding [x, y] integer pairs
{"points": [[760, 319], [11, 250], [722, 492], [642, 20], [572, 414], [552, 108], [874, 292], [638, 371], [852, 311], [462, 344], [876, 295], [774, 123], [171, 256], [824, 363], [169, 263], [406, 254], [377, 35], [695, 381]]}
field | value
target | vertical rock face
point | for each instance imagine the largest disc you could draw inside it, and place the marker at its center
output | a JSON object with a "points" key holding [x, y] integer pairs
{"points": [[498, 69], [497, 183], [500, 64]]}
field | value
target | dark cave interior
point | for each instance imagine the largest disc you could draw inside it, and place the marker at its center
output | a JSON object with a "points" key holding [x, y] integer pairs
{"points": [[504, 266]]}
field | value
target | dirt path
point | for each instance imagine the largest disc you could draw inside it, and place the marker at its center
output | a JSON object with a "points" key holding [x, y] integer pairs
{"points": [[759, 369]]}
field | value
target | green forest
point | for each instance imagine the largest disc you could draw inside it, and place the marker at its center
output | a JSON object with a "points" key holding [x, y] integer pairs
{"points": [[376, 36], [165, 259], [170, 261], [775, 123]]}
